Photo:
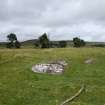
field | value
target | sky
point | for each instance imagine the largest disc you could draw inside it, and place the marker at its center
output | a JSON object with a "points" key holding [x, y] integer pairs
{"points": [[60, 19]]}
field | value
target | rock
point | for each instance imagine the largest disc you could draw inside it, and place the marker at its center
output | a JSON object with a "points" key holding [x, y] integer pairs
{"points": [[51, 68], [88, 61]]}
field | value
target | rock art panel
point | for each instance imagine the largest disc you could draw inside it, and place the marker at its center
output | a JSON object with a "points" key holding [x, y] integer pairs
{"points": [[51, 68]]}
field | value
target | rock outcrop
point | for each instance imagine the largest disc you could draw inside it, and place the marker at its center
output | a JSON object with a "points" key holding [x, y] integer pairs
{"points": [[56, 67], [88, 61]]}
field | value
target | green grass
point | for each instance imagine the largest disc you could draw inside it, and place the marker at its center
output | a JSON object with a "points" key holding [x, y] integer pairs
{"points": [[20, 86]]}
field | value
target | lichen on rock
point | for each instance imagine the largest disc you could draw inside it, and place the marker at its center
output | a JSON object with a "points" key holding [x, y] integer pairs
{"points": [[56, 67]]}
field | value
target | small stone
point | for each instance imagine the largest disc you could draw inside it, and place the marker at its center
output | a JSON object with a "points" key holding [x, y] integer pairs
{"points": [[88, 61]]}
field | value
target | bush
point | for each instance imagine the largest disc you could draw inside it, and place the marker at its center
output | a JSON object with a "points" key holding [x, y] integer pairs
{"points": [[13, 42], [10, 45], [17, 44], [78, 42], [44, 41]]}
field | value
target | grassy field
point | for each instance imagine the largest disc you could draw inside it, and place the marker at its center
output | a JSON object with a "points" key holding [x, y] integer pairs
{"points": [[20, 86]]}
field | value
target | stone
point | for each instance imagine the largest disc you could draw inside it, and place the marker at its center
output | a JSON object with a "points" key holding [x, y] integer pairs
{"points": [[88, 61], [56, 67]]}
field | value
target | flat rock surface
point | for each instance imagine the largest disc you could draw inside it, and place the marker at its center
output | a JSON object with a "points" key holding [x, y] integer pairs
{"points": [[56, 67], [89, 61]]}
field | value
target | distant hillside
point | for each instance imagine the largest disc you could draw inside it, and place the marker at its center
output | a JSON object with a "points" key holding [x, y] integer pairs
{"points": [[69, 43], [95, 44], [3, 44], [30, 43]]}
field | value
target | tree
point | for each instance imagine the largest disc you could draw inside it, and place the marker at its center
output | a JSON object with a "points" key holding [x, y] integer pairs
{"points": [[62, 44], [17, 44], [37, 44], [9, 45], [83, 43], [13, 42], [12, 37], [44, 41], [78, 42]]}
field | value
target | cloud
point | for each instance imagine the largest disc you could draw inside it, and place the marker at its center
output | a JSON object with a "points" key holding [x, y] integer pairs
{"points": [[62, 19]]}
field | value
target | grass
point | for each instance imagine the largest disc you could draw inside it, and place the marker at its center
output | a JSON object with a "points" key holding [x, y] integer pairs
{"points": [[20, 86]]}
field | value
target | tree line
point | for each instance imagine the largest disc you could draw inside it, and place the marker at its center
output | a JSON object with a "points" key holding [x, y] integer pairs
{"points": [[43, 42]]}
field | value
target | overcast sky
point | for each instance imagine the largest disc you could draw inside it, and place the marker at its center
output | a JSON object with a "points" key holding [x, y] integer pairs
{"points": [[61, 19]]}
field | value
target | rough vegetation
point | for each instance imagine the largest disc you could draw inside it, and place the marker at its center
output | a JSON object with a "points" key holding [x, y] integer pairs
{"points": [[20, 86]]}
